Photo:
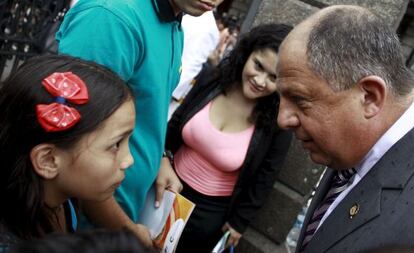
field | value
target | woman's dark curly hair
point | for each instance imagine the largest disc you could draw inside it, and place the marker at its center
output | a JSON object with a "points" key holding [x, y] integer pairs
{"points": [[267, 36]]}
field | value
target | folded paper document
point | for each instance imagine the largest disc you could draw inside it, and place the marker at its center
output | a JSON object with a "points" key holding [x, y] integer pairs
{"points": [[166, 222]]}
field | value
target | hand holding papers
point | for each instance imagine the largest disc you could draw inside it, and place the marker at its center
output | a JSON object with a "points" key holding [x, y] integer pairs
{"points": [[166, 222]]}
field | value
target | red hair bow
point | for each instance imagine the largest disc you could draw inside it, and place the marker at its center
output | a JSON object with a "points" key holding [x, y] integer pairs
{"points": [[57, 116]]}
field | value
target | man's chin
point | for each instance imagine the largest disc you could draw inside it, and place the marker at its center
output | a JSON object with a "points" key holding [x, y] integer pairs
{"points": [[319, 159]]}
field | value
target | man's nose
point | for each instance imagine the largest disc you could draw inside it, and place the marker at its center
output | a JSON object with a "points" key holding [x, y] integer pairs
{"points": [[287, 118]]}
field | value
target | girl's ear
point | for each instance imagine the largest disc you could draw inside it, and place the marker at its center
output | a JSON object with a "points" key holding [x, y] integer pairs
{"points": [[45, 161]]}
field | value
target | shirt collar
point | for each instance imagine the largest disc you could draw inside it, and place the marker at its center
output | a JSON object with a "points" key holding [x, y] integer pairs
{"points": [[165, 11], [400, 128]]}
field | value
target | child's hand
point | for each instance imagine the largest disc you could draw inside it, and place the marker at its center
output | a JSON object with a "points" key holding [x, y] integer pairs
{"points": [[234, 236]]}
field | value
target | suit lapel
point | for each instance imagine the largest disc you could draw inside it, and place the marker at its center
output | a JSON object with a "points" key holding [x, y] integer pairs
{"points": [[366, 195], [392, 171]]}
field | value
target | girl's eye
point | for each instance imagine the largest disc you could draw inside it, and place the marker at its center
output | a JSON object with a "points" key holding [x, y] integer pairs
{"points": [[116, 146]]}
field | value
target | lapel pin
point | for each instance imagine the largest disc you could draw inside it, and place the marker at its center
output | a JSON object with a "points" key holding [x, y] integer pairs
{"points": [[353, 210]]}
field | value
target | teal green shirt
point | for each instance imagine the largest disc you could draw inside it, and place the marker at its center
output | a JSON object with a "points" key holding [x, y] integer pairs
{"points": [[142, 41]]}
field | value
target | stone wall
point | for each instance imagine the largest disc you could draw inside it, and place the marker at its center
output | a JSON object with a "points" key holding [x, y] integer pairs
{"points": [[406, 34], [299, 175]]}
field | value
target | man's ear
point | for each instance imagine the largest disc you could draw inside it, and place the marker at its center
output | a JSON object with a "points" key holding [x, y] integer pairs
{"points": [[45, 160], [374, 94]]}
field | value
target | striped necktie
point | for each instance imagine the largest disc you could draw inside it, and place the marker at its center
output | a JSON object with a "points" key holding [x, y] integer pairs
{"points": [[338, 185]]}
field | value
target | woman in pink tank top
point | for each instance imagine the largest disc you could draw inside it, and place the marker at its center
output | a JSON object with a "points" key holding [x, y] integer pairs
{"points": [[226, 143]]}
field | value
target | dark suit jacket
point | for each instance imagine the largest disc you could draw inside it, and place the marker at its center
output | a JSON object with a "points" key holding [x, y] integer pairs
{"points": [[386, 206]]}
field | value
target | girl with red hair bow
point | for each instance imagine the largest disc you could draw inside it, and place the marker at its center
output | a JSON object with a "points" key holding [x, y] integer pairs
{"points": [[65, 125]]}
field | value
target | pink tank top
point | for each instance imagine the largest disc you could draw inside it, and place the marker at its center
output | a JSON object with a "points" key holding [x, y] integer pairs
{"points": [[209, 160]]}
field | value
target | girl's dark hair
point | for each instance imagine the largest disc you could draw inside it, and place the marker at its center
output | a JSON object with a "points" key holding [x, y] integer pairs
{"points": [[21, 191], [268, 36]]}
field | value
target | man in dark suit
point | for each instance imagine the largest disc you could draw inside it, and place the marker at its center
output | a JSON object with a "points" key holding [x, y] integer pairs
{"points": [[348, 96]]}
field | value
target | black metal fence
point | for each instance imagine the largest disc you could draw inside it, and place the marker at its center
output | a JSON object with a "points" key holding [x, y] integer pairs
{"points": [[27, 29]]}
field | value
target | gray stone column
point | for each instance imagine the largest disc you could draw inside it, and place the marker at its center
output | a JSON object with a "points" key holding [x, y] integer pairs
{"points": [[299, 175]]}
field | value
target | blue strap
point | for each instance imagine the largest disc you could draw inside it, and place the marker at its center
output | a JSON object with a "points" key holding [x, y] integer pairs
{"points": [[74, 218]]}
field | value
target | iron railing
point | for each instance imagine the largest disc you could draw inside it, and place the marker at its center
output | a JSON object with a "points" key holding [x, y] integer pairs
{"points": [[27, 29]]}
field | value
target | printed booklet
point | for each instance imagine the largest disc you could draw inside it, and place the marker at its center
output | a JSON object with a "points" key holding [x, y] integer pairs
{"points": [[166, 222]]}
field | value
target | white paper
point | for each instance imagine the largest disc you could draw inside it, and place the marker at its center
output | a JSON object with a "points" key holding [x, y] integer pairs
{"points": [[221, 245], [155, 218]]}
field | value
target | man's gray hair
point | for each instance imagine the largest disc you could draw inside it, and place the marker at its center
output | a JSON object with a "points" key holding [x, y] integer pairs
{"points": [[348, 44]]}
